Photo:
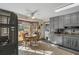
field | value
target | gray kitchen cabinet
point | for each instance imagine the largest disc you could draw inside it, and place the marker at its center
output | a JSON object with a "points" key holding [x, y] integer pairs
{"points": [[66, 42], [71, 42], [60, 20], [76, 43], [73, 18], [51, 24], [52, 38], [57, 39], [55, 23], [51, 30], [66, 20], [78, 17]]}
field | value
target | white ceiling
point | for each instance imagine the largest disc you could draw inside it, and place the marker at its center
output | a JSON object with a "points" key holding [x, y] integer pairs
{"points": [[45, 10]]}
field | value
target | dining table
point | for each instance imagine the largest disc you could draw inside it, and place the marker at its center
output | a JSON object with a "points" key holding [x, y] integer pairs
{"points": [[30, 40]]}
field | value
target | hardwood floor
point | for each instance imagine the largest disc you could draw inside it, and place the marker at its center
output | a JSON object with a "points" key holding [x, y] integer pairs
{"points": [[43, 48]]}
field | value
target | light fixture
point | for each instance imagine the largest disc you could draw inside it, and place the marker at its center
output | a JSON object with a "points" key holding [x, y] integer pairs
{"points": [[32, 13], [33, 17], [67, 7]]}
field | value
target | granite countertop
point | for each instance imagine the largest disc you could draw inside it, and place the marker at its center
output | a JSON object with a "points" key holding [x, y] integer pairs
{"points": [[67, 35]]}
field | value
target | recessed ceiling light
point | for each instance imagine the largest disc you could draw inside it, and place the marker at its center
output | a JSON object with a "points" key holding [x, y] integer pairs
{"points": [[67, 7]]}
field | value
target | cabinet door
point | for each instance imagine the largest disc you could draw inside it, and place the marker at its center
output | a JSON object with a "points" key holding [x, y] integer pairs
{"points": [[66, 20], [74, 18], [73, 43], [78, 17], [76, 44], [59, 40], [56, 23], [51, 25], [52, 38], [64, 41], [61, 25], [67, 42]]}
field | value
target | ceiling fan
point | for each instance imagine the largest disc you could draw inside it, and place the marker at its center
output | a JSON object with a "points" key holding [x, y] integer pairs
{"points": [[32, 13]]}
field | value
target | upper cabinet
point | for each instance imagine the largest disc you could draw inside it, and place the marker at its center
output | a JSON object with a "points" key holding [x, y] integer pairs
{"points": [[56, 23], [51, 25], [66, 20], [78, 17], [61, 19], [59, 22], [73, 18]]}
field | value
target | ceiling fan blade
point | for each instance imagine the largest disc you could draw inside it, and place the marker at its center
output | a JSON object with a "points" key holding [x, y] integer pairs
{"points": [[31, 13], [34, 12]]}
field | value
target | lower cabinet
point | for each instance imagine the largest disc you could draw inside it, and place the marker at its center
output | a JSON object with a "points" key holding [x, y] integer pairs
{"points": [[71, 42], [56, 39]]}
